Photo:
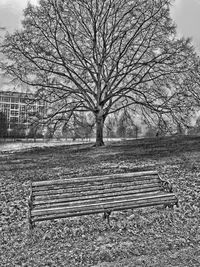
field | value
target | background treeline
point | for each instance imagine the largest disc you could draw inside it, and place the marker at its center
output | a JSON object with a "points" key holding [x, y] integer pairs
{"points": [[82, 126]]}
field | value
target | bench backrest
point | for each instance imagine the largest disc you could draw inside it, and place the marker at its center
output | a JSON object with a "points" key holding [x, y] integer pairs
{"points": [[73, 189]]}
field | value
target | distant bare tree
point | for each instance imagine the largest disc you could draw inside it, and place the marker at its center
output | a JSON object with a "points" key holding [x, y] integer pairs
{"points": [[79, 126], [101, 56]]}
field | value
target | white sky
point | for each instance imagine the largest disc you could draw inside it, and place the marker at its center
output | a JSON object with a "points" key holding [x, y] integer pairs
{"points": [[11, 12], [186, 14]]}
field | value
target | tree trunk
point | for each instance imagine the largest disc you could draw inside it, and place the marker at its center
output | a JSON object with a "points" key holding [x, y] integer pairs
{"points": [[99, 129]]}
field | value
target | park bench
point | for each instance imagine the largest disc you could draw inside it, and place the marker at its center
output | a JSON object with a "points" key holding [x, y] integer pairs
{"points": [[55, 199]]}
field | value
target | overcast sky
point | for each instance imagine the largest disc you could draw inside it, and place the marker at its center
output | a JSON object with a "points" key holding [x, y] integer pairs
{"points": [[186, 14]]}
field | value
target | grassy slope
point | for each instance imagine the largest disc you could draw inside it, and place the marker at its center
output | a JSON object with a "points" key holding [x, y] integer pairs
{"points": [[145, 237]]}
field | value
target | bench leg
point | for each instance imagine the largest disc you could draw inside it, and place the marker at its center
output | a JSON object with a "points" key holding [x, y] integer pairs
{"points": [[30, 206], [106, 215], [171, 206], [30, 222]]}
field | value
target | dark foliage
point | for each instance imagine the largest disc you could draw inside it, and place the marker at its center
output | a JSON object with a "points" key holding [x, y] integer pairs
{"points": [[3, 125]]}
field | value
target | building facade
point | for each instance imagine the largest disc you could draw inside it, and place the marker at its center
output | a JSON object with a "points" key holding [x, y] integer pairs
{"points": [[19, 109]]}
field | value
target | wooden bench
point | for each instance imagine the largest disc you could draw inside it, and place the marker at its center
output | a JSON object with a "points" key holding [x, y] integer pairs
{"points": [[57, 199]]}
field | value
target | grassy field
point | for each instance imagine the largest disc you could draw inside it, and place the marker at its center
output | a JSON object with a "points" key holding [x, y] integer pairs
{"points": [[144, 237]]}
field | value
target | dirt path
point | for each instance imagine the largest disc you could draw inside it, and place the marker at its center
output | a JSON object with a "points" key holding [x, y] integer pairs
{"points": [[23, 146]]}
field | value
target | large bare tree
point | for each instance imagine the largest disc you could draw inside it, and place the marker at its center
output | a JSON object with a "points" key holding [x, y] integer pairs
{"points": [[100, 56]]}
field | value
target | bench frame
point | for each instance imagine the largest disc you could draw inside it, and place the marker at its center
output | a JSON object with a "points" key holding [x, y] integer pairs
{"points": [[166, 186]]}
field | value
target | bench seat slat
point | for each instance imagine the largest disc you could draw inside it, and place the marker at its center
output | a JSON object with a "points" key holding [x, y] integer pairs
{"points": [[125, 206], [106, 205], [90, 195], [92, 178], [95, 189]]}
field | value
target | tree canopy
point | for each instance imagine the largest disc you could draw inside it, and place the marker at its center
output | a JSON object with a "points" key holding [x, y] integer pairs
{"points": [[101, 56]]}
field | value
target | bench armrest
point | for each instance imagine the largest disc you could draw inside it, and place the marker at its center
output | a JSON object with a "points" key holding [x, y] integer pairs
{"points": [[167, 186]]}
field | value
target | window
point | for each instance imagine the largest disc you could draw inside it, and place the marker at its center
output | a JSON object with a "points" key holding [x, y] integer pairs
{"points": [[5, 99], [7, 111], [14, 99], [14, 113], [22, 107], [5, 107], [13, 119], [22, 100], [14, 106]]}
